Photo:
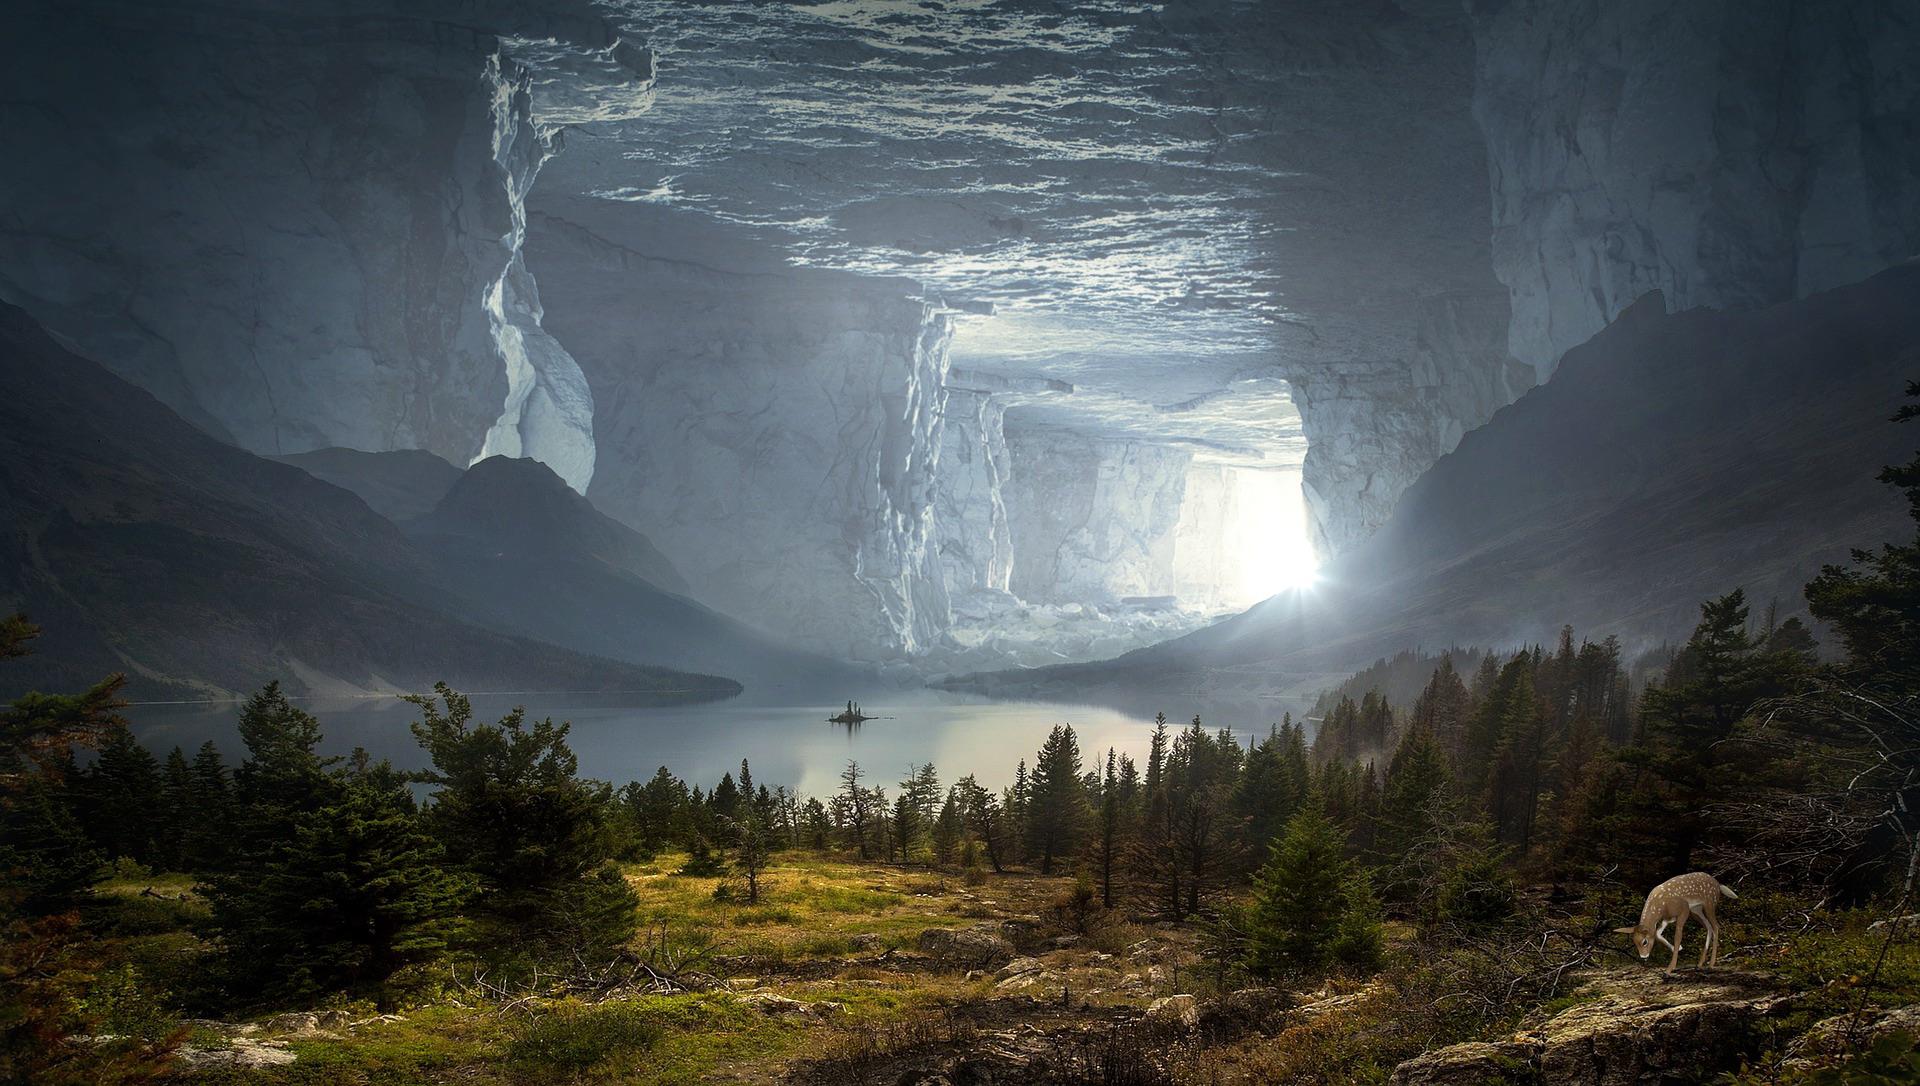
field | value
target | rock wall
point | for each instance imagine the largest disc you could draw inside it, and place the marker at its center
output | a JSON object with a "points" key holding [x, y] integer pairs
{"points": [[970, 511], [1727, 154], [1203, 566], [298, 224], [774, 432], [1091, 519]]}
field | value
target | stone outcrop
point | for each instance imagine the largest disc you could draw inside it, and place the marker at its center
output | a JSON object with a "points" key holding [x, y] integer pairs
{"points": [[981, 947], [1633, 1029], [1724, 153]]}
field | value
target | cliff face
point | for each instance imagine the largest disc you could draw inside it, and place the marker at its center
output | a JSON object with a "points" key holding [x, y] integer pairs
{"points": [[1092, 519], [1726, 154], [299, 224], [775, 433]]}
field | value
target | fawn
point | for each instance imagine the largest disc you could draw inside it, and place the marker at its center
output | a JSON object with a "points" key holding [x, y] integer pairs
{"points": [[1671, 902]]}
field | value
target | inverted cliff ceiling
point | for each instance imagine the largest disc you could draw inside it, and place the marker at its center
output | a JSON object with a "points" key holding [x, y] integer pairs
{"points": [[1171, 211]]}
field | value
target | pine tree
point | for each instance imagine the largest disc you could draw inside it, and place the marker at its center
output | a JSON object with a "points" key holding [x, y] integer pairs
{"points": [[1108, 843], [1300, 897], [1057, 808], [283, 778], [1711, 685], [855, 805], [1443, 708], [815, 825], [1513, 779], [510, 810], [752, 839], [1264, 798], [947, 830], [121, 799], [1016, 803], [985, 819], [1415, 798], [178, 817], [40, 730], [355, 893], [1874, 604], [47, 859], [907, 830], [724, 800], [1358, 941]]}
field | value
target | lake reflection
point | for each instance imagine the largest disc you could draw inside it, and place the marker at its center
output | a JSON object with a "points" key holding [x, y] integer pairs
{"points": [[787, 744]]}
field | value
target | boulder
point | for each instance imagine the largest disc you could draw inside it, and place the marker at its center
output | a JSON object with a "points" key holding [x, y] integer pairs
{"points": [[1635, 1029], [1020, 965], [1177, 1011], [776, 1005], [1647, 1030], [239, 1053], [1475, 1063], [980, 947]]}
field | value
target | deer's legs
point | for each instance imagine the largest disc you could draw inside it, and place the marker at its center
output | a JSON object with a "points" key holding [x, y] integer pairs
{"points": [[1712, 945], [1679, 929]]}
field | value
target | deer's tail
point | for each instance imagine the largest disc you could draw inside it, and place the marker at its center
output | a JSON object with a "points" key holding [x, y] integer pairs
{"points": [[1727, 890]]}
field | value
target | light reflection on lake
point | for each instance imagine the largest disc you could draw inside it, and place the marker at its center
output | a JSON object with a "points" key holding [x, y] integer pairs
{"points": [[787, 744]]}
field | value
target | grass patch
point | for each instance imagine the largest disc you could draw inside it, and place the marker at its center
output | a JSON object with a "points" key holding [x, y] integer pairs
{"points": [[573, 1038]]}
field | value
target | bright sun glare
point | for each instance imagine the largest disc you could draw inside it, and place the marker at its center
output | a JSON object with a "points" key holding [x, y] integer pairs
{"points": [[1270, 534]]}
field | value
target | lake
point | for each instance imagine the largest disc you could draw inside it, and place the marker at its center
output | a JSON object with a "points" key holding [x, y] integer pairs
{"points": [[786, 743]]}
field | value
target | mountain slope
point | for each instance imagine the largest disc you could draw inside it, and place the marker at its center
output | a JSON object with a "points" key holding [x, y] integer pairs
{"points": [[525, 509], [142, 545], [522, 549], [397, 485], [1672, 457]]}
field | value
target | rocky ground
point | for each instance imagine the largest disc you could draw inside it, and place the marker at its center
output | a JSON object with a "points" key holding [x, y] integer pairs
{"points": [[847, 973]]}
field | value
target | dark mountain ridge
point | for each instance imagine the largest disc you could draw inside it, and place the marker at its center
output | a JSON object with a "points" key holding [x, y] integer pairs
{"points": [[524, 552], [140, 544]]}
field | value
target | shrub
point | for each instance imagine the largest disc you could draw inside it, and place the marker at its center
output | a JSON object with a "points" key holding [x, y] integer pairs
{"points": [[1893, 1060], [573, 1038]]}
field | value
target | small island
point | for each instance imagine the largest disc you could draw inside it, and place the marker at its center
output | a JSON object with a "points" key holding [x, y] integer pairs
{"points": [[852, 715]]}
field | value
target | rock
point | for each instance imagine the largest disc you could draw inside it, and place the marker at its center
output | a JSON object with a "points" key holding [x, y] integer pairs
{"points": [[1020, 965], [1472, 1064], [777, 1005], [1636, 1028], [1798, 189], [980, 947], [244, 1054], [866, 940], [1649, 1030], [328, 254], [308, 1023], [1037, 978], [1178, 1011]]}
